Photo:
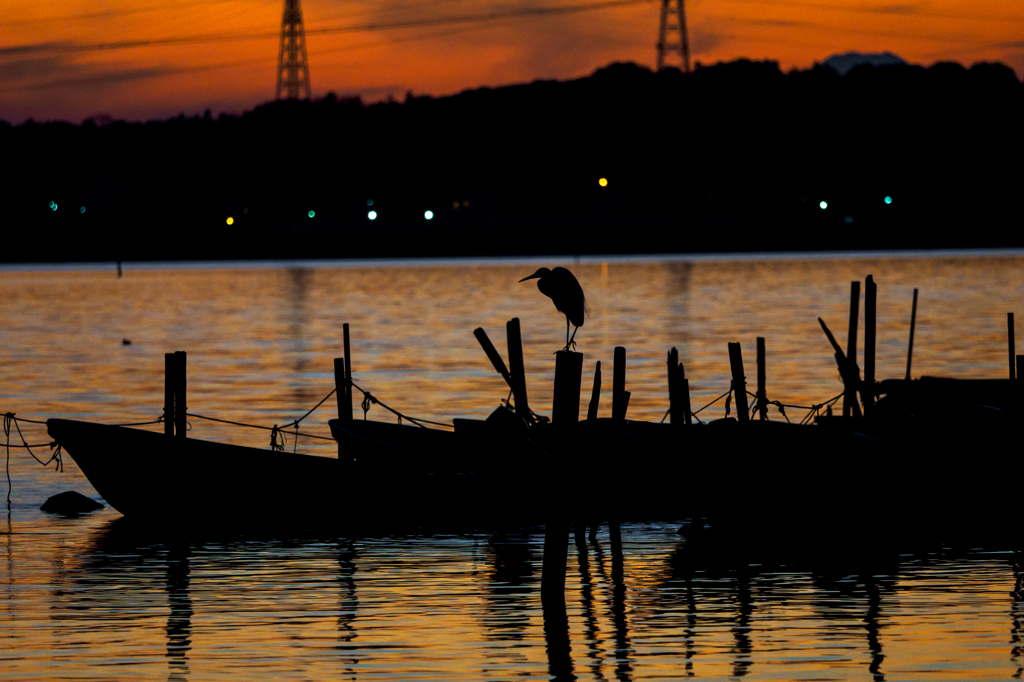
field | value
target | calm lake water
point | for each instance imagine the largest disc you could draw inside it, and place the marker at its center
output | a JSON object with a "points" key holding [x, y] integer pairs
{"points": [[92, 598]]}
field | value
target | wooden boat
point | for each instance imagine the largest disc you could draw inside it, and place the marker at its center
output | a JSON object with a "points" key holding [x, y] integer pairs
{"points": [[820, 478], [149, 475]]}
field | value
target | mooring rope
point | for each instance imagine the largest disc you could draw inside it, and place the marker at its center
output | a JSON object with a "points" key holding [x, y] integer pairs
{"points": [[9, 419], [369, 400], [813, 410]]}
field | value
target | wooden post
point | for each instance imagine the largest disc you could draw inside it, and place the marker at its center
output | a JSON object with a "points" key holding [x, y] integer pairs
{"points": [[342, 395], [619, 400], [346, 407], [867, 389], [565, 407], [678, 391], [674, 416], [517, 369], [341, 392], [595, 395], [1013, 352], [492, 355], [180, 385], [910, 347], [684, 390], [850, 397], [762, 395], [169, 378], [739, 382]]}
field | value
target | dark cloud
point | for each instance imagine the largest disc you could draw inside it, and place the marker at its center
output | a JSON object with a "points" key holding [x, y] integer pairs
{"points": [[104, 78], [61, 70], [33, 48], [32, 67], [774, 22], [703, 40], [913, 8]]}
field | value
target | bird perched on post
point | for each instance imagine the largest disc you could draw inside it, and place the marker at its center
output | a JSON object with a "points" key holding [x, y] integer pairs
{"points": [[562, 288]]}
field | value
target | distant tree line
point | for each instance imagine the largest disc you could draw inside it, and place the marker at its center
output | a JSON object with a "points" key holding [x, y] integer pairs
{"points": [[736, 156]]}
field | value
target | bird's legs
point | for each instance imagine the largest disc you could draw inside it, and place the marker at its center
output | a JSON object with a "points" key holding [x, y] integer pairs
{"points": [[572, 342], [566, 334]]}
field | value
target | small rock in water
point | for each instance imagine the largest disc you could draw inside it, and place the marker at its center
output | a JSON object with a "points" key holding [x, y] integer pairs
{"points": [[126, 342], [70, 503]]}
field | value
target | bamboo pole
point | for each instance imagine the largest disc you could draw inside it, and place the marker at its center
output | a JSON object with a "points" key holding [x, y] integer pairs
{"points": [[739, 382], [910, 346], [620, 399], [595, 394], [517, 368], [1009, 339], [850, 396], [347, 407], [762, 394], [867, 390], [180, 388]]}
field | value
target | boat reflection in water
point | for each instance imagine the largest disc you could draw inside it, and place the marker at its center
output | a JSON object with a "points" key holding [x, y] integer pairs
{"points": [[637, 603]]}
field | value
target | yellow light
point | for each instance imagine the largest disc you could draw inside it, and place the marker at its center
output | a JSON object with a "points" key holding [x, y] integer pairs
{"points": [[231, 221], [603, 182]]}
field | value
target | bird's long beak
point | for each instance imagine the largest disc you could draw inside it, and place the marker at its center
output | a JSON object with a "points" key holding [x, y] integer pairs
{"points": [[533, 276]]}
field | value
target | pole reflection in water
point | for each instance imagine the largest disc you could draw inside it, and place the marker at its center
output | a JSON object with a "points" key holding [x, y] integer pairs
{"points": [[741, 631], [871, 623], [590, 628], [840, 598], [1016, 616], [510, 584], [552, 595], [623, 667], [348, 605], [179, 621]]}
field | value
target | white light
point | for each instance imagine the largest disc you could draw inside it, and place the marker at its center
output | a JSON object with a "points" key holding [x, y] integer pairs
{"points": [[429, 215], [823, 205], [372, 215]]}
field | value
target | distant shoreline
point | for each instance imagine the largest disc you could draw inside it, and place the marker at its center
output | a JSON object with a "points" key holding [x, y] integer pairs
{"points": [[470, 261]]}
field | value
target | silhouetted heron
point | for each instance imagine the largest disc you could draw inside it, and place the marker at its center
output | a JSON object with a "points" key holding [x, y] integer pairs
{"points": [[561, 287]]}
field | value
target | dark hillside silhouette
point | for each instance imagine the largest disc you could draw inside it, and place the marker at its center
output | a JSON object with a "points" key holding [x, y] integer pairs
{"points": [[735, 156]]}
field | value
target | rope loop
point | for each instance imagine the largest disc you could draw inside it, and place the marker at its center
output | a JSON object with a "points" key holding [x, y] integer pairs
{"points": [[368, 400], [275, 445]]}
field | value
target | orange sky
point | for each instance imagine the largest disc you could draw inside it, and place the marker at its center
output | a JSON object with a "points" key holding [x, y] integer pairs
{"points": [[67, 59]]}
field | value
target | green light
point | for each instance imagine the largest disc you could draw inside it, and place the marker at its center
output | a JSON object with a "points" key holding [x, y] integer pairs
{"points": [[429, 215], [82, 210], [53, 205], [372, 215], [823, 205], [888, 200], [311, 214]]}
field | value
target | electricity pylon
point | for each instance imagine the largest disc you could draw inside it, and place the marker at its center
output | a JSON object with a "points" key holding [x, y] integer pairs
{"points": [[292, 63], [673, 20]]}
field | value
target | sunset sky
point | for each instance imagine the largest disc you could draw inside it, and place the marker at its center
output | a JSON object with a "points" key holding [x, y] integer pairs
{"points": [[146, 59]]}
